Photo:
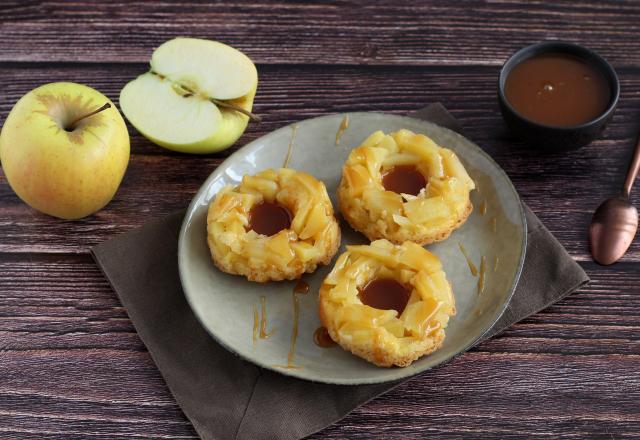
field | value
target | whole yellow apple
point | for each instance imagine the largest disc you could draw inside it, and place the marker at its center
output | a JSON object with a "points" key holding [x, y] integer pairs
{"points": [[64, 149]]}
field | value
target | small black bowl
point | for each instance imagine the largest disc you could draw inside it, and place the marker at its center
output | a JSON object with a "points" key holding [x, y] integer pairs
{"points": [[549, 136]]}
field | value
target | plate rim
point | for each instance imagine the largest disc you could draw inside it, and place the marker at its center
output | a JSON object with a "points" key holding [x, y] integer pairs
{"points": [[294, 373]]}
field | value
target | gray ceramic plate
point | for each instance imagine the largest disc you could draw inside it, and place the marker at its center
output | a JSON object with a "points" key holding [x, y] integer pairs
{"points": [[224, 303]]}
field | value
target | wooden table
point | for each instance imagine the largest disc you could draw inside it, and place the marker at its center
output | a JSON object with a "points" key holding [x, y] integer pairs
{"points": [[71, 364]]}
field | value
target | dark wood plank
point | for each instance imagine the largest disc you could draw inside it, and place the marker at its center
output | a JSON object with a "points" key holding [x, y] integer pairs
{"points": [[58, 301], [571, 370], [477, 394], [563, 189], [336, 32], [506, 397], [290, 93], [87, 393]]}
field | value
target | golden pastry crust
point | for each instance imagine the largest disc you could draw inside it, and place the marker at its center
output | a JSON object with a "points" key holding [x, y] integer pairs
{"points": [[441, 207], [380, 336], [312, 239]]}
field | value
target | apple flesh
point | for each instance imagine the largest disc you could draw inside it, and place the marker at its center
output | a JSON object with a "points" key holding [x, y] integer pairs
{"points": [[64, 168], [212, 68], [174, 105]]}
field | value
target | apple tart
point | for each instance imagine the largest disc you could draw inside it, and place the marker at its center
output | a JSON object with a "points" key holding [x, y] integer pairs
{"points": [[403, 186], [386, 303], [275, 225]]}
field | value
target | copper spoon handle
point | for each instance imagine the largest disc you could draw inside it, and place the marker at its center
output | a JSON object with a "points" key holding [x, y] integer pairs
{"points": [[634, 167]]}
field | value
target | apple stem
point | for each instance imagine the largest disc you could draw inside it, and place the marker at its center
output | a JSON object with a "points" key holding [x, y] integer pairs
{"points": [[224, 104], [73, 123]]}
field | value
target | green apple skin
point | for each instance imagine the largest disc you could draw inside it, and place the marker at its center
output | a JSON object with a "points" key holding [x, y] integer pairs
{"points": [[66, 174], [232, 127]]}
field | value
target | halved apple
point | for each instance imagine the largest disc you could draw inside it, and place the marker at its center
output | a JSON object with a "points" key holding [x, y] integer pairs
{"points": [[195, 99]]}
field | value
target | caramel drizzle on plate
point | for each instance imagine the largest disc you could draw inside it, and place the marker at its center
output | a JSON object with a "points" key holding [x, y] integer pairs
{"points": [[294, 131], [263, 320], [300, 288], [472, 267], [294, 330], [256, 325], [483, 269], [483, 207], [322, 338], [343, 126]]}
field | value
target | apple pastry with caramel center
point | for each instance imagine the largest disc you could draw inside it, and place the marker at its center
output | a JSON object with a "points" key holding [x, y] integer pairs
{"points": [[275, 225], [403, 186], [386, 303]]}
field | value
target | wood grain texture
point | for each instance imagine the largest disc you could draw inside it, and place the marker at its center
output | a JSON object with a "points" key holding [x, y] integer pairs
{"points": [[335, 32], [540, 397], [563, 189], [59, 301], [571, 369]]}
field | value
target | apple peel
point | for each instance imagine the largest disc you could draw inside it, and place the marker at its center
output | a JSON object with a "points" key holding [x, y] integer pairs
{"points": [[196, 98]]}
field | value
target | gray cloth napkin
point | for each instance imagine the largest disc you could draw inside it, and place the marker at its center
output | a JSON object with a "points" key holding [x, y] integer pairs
{"points": [[226, 397]]}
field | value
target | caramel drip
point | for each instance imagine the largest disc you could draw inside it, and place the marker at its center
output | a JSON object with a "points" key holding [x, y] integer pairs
{"points": [[343, 126], [483, 207], [294, 131], [301, 287], [483, 269], [263, 319], [294, 333], [495, 263], [322, 338], [494, 224], [294, 330], [286, 367], [472, 267], [256, 324]]}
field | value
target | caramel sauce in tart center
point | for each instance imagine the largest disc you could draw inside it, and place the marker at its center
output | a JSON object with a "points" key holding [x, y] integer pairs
{"points": [[385, 294], [404, 179], [268, 218]]}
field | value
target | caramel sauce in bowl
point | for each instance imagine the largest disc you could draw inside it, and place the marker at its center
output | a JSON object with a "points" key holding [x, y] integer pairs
{"points": [[556, 95], [557, 89]]}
